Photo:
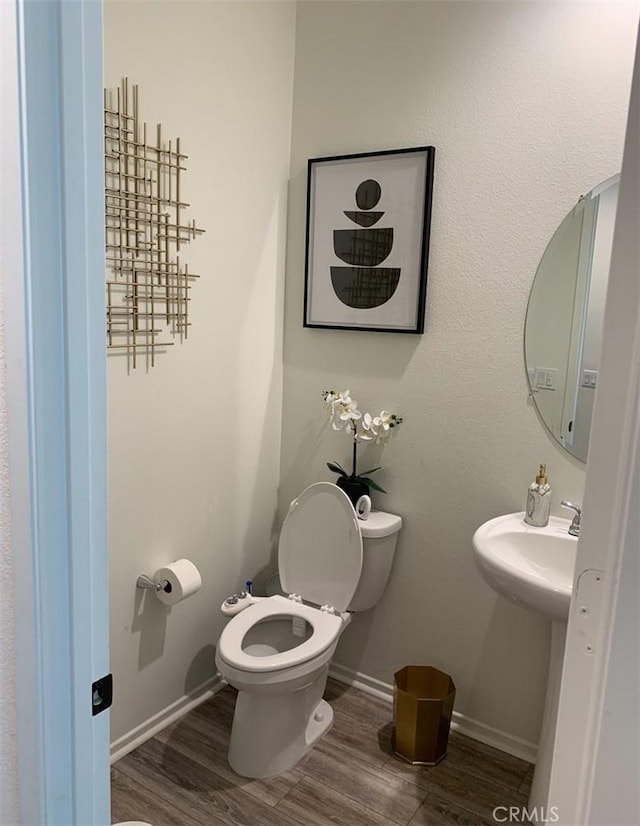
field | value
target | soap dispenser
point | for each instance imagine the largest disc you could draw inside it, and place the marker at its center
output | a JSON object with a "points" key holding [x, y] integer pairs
{"points": [[538, 500]]}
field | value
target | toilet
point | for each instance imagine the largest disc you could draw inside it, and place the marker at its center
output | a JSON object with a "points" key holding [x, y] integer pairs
{"points": [[276, 651]]}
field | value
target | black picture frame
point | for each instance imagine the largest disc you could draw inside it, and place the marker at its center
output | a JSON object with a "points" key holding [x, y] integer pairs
{"points": [[364, 211]]}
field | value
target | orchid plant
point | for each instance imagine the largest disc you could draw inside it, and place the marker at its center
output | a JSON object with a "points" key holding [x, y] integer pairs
{"points": [[362, 427]]}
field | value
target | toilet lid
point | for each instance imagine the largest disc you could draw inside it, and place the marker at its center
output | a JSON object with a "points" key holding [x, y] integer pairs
{"points": [[320, 548]]}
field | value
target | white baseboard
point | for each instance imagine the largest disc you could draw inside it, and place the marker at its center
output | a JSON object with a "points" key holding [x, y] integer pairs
{"points": [[465, 725], [137, 736], [358, 680]]}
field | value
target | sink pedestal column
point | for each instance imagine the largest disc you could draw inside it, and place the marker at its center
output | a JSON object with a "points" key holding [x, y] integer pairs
{"points": [[542, 773]]}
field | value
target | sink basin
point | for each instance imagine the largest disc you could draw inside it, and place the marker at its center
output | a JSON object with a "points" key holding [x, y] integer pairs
{"points": [[531, 566]]}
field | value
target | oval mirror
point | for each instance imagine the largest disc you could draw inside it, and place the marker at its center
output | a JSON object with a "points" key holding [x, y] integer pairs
{"points": [[563, 328]]}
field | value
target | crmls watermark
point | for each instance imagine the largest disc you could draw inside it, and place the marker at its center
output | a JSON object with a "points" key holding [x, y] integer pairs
{"points": [[521, 814]]}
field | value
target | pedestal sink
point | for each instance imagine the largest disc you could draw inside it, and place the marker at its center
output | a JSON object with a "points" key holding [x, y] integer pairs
{"points": [[533, 567]]}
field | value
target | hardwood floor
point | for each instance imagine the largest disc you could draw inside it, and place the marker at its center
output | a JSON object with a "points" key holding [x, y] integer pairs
{"points": [[351, 778]]}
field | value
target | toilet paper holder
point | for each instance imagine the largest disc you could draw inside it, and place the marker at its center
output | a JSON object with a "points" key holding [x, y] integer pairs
{"points": [[172, 583], [147, 583]]}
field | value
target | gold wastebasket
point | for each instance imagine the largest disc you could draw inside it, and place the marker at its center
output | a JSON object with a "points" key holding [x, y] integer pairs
{"points": [[422, 709]]}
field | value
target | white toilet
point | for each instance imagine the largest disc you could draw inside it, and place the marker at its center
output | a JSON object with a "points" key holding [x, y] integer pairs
{"points": [[277, 651]]}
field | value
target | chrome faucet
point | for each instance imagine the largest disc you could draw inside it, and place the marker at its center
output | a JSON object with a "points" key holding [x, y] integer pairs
{"points": [[574, 528]]}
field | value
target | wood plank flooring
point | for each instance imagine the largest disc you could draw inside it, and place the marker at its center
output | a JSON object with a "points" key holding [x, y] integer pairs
{"points": [[181, 776]]}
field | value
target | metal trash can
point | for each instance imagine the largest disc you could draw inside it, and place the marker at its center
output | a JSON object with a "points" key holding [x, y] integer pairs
{"points": [[422, 709]]}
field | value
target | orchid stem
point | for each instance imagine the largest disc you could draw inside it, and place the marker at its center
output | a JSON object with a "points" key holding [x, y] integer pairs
{"points": [[355, 446]]}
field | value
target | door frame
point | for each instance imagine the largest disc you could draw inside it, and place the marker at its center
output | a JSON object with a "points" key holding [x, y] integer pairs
{"points": [[56, 404], [598, 699], [56, 396]]}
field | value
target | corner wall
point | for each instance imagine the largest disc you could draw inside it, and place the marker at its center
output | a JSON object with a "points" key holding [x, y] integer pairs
{"points": [[526, 106], [195, 442]]}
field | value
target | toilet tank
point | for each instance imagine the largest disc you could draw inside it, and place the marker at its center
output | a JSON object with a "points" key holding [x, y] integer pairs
{"points": [[379, 537]]}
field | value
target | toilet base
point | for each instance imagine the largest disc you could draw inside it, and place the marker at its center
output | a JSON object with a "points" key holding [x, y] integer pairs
{"points": [[272, 732]]}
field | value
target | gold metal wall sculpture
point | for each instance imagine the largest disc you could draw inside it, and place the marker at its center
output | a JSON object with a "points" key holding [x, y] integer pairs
{"points": [[148, 286]]}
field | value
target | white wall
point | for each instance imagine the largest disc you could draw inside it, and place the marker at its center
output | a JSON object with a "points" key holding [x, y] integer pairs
{"points": [[195, 442], [526, 105]]}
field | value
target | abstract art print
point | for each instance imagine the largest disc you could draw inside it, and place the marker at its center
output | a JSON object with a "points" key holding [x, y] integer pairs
{"points": [[368, 219]]}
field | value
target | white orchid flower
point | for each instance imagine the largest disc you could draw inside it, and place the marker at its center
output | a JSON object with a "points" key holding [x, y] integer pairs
{"points": [[350, 410], [382, 420], [334, 400], [331, 399], [369, 431], [387, 421]]}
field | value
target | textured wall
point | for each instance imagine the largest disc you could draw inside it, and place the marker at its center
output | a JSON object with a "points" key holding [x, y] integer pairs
{"points": [[526, 105], [194, 444]]}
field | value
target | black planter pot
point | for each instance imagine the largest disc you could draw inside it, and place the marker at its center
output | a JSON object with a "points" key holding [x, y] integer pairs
{"points": [[353, 488]]}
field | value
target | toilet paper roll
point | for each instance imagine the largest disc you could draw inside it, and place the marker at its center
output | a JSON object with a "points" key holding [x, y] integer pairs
{"points": [[182, 580]]}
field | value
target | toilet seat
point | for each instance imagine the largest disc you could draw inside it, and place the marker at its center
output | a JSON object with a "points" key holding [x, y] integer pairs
{"points": [[326, 629], [320, 560]]}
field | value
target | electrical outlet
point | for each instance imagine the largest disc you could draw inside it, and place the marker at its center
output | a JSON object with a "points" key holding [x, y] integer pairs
{"points": [[545, 378]]}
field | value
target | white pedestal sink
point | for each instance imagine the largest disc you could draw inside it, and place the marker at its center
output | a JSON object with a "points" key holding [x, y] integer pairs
{"points": [[533, 567]]}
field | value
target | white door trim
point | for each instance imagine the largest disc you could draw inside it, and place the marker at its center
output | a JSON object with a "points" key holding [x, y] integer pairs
{"points": [[27, 721], [54, 304], [614, 458]]}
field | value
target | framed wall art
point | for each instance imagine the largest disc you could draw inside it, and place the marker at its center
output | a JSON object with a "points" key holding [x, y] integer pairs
{"points": [[367, 245]]}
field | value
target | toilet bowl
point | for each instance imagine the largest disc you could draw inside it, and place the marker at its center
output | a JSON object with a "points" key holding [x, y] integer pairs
{"points": [[276, 652]]}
